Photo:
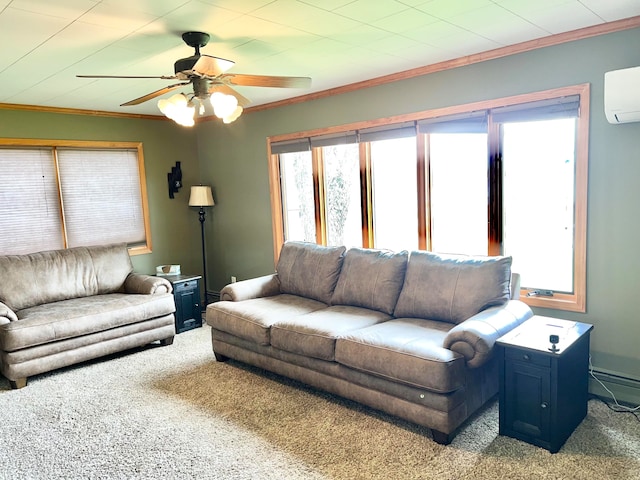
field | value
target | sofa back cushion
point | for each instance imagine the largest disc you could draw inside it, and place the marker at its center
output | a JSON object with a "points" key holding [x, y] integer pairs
{"points": [[452, 288], [51, 276], [309, 270], [371, 279], [111, 266]]}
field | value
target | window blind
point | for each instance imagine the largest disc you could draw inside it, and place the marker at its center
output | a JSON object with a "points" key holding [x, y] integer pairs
{"points": [[372, 134], [101, 196], [468, 122], [548, 109], [291, 146], [387, 132], [342, 138], [30, 219]]}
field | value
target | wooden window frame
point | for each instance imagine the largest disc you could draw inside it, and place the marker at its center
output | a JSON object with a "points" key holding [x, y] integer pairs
{"points": [[106, 145], [574, 301]]}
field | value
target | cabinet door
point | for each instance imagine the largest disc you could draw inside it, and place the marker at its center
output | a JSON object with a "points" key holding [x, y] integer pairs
{"points": [[187, 297], [527, 399], [196, 310]]}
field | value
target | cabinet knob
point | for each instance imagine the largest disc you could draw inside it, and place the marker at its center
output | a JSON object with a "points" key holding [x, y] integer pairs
{"points": [[526, 356], [544, 405]]}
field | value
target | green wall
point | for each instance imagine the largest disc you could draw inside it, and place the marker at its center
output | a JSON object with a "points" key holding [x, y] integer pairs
{"points": [[175, 230], [233, 160]]}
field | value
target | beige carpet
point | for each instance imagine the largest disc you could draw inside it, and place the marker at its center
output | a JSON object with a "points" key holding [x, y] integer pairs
{"points": [[173, 412]]}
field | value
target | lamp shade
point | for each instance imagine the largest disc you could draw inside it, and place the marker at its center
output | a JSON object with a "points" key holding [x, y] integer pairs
{"points": [[201, 196]]}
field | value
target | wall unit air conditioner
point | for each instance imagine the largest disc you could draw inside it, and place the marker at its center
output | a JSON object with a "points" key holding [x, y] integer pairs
{"points": [[622, 95]]}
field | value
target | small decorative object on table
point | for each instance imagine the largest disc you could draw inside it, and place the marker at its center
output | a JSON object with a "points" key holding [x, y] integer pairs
{"points": [[544, 380], [164, 270]]}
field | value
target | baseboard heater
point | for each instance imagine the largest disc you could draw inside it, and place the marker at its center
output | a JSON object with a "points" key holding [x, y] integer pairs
{"points": [[613, 377], [626, 387]]}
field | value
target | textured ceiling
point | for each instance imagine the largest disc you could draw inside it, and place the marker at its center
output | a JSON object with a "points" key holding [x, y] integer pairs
{"points": [[45, 43]]}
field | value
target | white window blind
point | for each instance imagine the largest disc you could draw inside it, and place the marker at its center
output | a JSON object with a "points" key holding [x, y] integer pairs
{"points": [[30, 218], [101, 196], [58, 196]]}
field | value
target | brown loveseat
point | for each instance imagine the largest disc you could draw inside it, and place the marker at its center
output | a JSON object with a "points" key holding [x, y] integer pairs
{"points": [[62, 307], [409, 334]]}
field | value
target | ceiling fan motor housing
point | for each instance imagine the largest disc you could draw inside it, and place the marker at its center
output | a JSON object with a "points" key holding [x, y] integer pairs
{"points": [[195, 40], [200, 88], [185, 64]]}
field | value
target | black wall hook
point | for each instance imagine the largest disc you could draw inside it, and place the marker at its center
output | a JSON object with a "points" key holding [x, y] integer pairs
{"points": [[175, 179]]}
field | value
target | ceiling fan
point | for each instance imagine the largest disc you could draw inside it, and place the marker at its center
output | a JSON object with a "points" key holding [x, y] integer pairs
{"points": [[207, 75]]}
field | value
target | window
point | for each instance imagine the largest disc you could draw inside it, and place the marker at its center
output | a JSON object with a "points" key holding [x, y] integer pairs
{"points": [[541, 242], [395, 207], [342, 206], [458, 192], [298, 201], [64, 194], [501, 177]]}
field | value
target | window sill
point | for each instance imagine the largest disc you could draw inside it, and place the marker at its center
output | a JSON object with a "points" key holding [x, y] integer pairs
{"points": [[559, 301]]}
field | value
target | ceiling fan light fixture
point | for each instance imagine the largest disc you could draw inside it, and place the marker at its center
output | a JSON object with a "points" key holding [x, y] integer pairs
{"points": [[178, 109], [224, 105]]}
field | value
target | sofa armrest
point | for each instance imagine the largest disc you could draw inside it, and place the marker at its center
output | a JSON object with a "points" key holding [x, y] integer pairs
{"points": [[514, 287], [146, 284], [258, 287], [7, 314], [474, 338]]}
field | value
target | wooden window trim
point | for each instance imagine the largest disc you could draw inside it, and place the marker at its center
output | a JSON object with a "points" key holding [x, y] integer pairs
{"points": [[366, 195], [88, 144], [424, 193], [319, 196], [575, 301]]}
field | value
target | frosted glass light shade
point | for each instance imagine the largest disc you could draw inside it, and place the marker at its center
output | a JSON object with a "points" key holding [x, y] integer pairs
{"points": [[223, 105], [201, 196], [178, 109]]}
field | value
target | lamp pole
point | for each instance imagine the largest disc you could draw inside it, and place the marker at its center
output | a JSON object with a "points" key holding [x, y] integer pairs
{"points": [[204, 256]]}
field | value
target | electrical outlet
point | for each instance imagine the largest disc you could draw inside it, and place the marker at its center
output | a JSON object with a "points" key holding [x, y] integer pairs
{"points": [[233, 279]]}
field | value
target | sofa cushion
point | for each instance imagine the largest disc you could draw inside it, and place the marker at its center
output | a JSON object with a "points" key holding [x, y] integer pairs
{"points": [[406, 350], [314, 334], [371, 279], [81, 316], [51, 276], [252, 319], [452, 288], [111, 266], [309, 270]]}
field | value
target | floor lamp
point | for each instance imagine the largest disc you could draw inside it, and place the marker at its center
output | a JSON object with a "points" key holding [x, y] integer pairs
{"points": [[201, 197]]}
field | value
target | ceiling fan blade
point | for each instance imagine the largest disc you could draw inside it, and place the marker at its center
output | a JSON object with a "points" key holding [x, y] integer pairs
{"points": [[163, 77], [265, 81], [151, 95], [208, 66], [227, 90]]}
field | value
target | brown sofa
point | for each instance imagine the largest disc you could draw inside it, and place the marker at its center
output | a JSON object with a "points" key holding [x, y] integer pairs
{"points": [[409, 334], [62, 307]]}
